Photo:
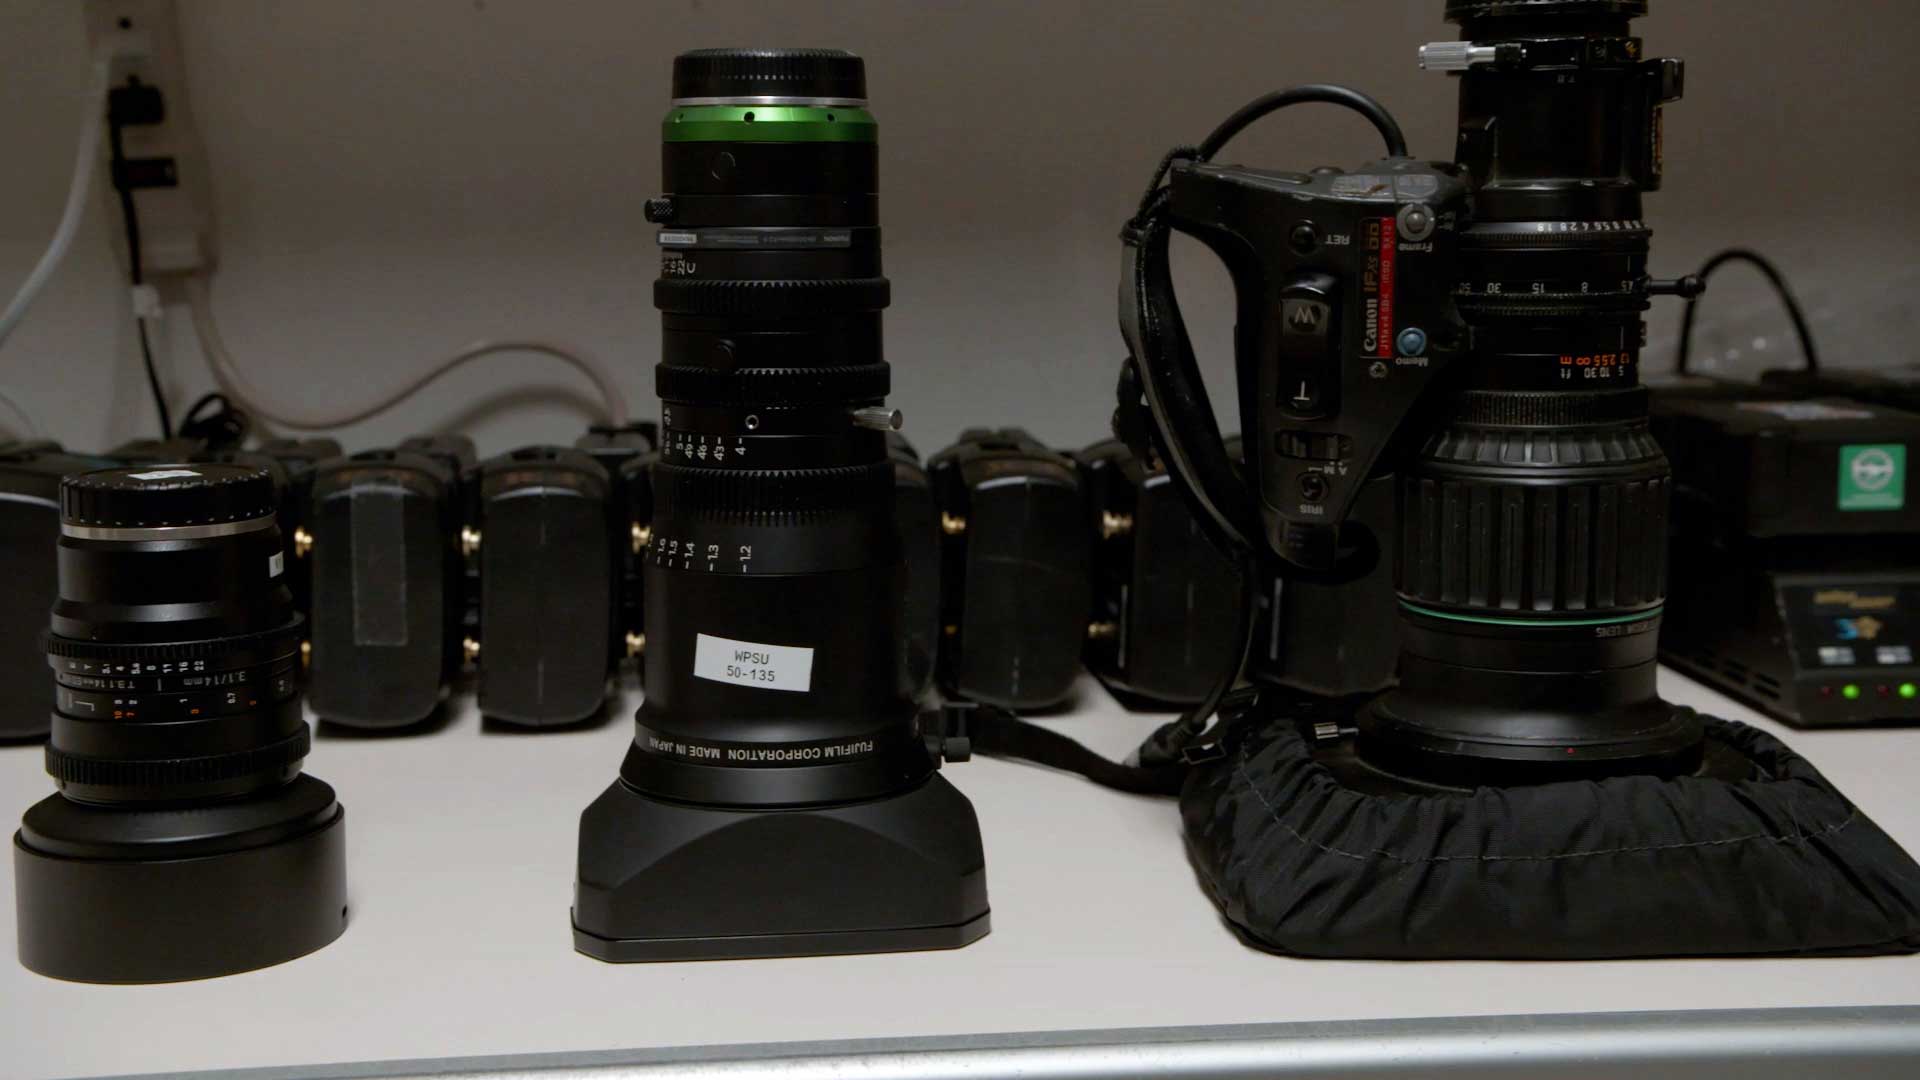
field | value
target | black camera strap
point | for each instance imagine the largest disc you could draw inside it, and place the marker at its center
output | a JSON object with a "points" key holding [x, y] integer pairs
{"points": [[1159, 767], [1164, 412], [1164, 415]]}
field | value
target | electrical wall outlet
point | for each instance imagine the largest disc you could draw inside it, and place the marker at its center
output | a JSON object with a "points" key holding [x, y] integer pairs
{"points": [[142, 39]]}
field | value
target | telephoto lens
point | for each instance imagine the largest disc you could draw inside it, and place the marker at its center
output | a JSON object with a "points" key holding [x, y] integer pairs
{"points": [[1533, 523], [184, 841], [779, 797]]}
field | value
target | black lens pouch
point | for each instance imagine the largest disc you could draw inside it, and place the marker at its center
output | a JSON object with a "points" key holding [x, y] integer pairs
{"points": [[1778, 862]]}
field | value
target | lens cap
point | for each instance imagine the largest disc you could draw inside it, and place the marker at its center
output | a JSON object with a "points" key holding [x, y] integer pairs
{"points": [[1462, 10], [758, 74], [161, 496]]}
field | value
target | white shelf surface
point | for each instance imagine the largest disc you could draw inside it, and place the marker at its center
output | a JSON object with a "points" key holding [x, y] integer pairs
{"points": [[460, 849]]}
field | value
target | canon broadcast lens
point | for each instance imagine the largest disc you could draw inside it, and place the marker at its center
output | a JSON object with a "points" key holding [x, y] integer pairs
{"points": [[778, 798], [1533, 523], [184, 841]]}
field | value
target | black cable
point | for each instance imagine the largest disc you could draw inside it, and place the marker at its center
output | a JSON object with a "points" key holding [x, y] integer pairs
{"points": [[1313, 93], [1780, 288], [1193, 723], [1323, 93], [1170, 740], [221, 428], [130, 219]]}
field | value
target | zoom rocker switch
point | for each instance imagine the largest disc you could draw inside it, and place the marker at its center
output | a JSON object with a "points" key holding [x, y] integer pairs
{"points": [[1308, 371]]}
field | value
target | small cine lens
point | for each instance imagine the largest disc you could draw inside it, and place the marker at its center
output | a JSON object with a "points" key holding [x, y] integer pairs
{"points": [[184, 841]]}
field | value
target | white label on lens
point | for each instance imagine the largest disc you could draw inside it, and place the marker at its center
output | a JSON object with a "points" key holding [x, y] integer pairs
{"points": [[750, 663], [276, 563], [162, 474]]}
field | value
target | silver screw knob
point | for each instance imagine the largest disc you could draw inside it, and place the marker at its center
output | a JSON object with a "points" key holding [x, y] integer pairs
{"points": [[1456, 55], [878, 417]]}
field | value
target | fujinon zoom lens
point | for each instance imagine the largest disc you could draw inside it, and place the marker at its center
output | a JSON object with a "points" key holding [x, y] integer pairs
{"points": [[184, 841], [778, 797]]}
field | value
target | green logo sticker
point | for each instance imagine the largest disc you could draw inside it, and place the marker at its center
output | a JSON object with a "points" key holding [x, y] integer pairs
{"points": [[1873, 477]]}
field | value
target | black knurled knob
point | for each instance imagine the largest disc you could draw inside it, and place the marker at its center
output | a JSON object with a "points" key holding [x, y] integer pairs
{"points": [[786, 73], [155, 496]]}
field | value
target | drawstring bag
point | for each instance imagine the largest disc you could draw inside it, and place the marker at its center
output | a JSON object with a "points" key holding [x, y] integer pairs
{"points": [[1774, 863]]}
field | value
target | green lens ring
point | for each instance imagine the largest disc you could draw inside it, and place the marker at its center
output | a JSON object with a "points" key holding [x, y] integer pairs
{"points": [[768, 123], [1544, 624]]}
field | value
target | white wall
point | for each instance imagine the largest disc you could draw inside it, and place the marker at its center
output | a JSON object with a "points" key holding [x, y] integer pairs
{"points": [[395, 177]]}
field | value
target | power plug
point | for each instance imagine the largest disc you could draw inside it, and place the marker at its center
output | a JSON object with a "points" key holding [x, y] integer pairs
{"points": [[166, 159]]}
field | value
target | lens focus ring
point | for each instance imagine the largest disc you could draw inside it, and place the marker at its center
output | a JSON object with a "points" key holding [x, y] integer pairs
{"points": [[1519, 408], [783, 386], [770, 299], [229, 653], [763, 494], [272, 758]]}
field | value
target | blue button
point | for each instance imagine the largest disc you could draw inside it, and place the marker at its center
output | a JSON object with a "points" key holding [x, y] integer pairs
{"points": [[1413, 341]]}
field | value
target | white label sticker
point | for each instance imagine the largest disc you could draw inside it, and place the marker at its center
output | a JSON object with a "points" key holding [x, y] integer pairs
{"points": [[276, 563], [749, 663], [162, 474]]}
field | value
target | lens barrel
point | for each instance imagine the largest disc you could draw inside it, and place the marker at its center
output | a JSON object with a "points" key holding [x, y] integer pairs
{"points": [[1532, 554], [773, 624], [769, 575], [184, 841]]}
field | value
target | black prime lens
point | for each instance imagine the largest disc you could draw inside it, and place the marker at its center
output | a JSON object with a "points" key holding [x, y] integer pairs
{"points": [[184, 841], [774, 709], [1532, 554]]}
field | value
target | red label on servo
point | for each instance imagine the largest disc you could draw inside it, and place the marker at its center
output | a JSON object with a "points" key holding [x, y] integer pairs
{"points": [[1389, 252], [1376, 285]]}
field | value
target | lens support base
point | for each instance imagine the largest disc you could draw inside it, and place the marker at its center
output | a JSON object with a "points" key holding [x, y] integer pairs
{"points": [[141, 913], [661, 881]]}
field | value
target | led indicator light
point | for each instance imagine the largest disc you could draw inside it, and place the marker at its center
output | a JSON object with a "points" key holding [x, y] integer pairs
{"points": [[1851, 692], [1909, 691]]}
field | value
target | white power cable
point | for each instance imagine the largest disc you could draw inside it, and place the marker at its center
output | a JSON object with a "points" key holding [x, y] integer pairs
{"points": [[244, 394], [84, 164]]}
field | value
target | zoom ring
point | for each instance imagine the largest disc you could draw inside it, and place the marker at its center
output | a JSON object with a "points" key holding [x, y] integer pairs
{"points": [[68, 768], [786, 386], [769, 494], [1550, 409], [771, 299], [234, 652], [1474, 539]]}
